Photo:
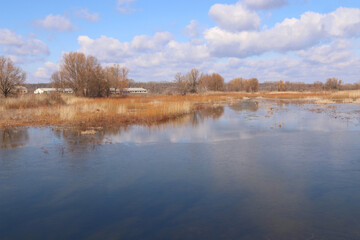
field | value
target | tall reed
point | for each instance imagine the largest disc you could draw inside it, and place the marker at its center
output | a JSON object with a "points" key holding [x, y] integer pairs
{"points": [[56, 109]]}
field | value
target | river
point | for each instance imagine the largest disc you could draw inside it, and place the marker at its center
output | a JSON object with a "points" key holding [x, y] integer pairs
{"points": [[251, 170]]}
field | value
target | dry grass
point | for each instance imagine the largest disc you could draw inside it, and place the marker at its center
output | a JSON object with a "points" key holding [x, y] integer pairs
{"points": [[324, 97], [31, 101], [355, 94], [70, 110]]}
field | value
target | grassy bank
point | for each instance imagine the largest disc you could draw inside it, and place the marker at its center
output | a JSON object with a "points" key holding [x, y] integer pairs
{"points": [[69, 110]]}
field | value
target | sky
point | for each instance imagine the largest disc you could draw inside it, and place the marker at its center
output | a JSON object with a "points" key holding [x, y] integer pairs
{"points": [[290, 40]]}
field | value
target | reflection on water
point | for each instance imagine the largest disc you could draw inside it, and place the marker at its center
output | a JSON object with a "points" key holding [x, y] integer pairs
{"points": [[247, 105], [78, 138], [13, 138], [226, 173], [199, 116]]}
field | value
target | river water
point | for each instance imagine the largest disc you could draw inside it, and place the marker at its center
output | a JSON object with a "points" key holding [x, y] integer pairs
{"points": [[251, 170]]}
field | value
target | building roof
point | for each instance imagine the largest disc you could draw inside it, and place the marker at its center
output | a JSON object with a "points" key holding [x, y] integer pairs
{"points": [[46, 89], [135, 89]]}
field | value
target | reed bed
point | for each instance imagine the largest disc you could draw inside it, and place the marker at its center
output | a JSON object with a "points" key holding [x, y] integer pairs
{"points": [[70, 110], [354, 94], [31, 101], [55, 109]]}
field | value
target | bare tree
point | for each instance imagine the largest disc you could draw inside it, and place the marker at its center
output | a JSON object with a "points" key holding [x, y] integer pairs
{"points": [[181, 83], [318, 86], [254, 83], [110, 74], [283, 86], [83, 74], [213, 82], [333, 84], [247, 86], [57, 80], [73, 69], [117, 77], [251, 85], [95, 81], [124, 73], [236, 85], [124, 80], [240, 84], [192, 78], [10, 76], [187, 83]]}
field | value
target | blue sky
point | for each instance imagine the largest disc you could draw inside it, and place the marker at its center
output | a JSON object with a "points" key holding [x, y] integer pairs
{"points": [[293, 40]]}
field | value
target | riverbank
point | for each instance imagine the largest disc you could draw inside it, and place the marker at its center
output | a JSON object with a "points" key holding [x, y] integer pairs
{"points": [[68, 110]]}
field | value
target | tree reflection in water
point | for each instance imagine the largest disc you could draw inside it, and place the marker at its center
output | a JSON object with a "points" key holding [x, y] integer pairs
{"points": [[13, 138], [78, 139], [199, 116], [247, 105]]}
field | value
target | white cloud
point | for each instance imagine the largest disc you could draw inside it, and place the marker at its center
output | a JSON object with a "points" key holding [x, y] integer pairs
{"points": [[144, 50], [156, 57], [159, 57], [91, 17], [310, 48], [173, 55], [144, 42], [45, 72], [265, 4], [8, 37], [236, 17], [336, 59], [111, 49], [124, 6], [104, 48], [55, 23], [193, 29], [337, 52], [289, 35], [162, 62], [20, 49], [30, 47]]}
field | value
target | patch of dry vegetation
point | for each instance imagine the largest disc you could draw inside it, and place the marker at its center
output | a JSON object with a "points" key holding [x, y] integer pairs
{"points": [[70, 110], [323, 97], [58, 109], [32, 101]]}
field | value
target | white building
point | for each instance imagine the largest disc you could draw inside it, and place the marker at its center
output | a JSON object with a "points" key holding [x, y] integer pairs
{"points": [[67, 90], [44, 90], [129, 90], [49, 90], [135, 90]]}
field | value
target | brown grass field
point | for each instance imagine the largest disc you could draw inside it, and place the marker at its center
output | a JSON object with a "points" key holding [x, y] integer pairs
{"points": [[68, 110]]}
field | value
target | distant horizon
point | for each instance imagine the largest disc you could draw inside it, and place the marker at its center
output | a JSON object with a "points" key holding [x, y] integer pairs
{"points": [[226, 81], [271, 40]]}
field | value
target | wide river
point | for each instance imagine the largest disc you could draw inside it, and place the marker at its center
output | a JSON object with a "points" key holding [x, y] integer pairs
{"points": [[251, 170]]}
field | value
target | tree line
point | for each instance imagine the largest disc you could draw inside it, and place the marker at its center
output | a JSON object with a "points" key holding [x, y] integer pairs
{"points": [[331, 84], [88, 78], [194, 82], [85, 75]]}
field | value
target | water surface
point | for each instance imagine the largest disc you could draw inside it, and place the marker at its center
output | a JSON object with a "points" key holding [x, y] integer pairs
{"points": [[251, 170]]}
